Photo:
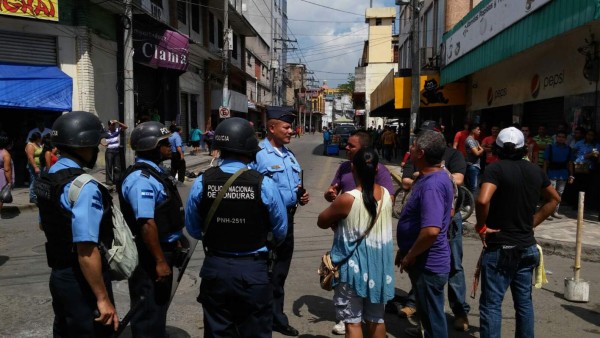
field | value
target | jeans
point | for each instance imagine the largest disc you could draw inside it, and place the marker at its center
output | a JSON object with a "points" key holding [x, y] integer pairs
{"points": [[429, 292], [387, 151], [457, 287], [471, 177], [559, 185], [113, 169], [32, 178], [501, 268]]}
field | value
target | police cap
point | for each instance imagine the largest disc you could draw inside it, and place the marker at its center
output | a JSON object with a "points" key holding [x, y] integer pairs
{"points": [[285, 114]]}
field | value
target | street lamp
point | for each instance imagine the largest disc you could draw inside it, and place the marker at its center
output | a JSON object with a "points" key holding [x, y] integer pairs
{"points": [[415, 93]]}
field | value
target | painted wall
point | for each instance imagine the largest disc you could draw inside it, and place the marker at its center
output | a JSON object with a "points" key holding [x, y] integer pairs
{"points": [[380, 36]]}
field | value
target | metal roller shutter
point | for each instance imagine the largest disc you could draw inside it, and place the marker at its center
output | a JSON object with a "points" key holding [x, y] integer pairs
{"points": [[28, 48]]}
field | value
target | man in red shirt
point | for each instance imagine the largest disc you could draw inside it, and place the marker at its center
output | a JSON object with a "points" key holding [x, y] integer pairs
{"points": [[487, 145], [532, 147], [460, 138]]}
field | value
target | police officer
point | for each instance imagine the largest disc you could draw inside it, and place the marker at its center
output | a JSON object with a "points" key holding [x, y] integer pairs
{"points": [[153, 209], [79, 282], [276, 161], [235, 292]]}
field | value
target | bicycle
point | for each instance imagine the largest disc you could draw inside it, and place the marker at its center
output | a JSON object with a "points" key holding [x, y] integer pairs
{"points": [[466, 208]]}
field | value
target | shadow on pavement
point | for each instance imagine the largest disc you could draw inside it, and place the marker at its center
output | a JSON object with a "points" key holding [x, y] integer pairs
{"points": [[172, 332], [590, 316], [319, 151], [3, 259], [321, 308], [9, 212]]}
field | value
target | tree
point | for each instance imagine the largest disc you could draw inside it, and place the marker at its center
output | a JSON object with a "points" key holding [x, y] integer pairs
{"points": [[348, 87]]}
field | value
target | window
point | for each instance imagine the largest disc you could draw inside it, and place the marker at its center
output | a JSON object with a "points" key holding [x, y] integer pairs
{"points": [[378, 22], [220, 34], [211, 28], [182, 11], [249, 59], [234, 53], [195, 8]]}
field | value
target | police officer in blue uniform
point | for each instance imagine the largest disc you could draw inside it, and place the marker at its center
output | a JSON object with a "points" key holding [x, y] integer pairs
{"points": [[276, 161], [79, 282], [236, 233], [153, 209]]}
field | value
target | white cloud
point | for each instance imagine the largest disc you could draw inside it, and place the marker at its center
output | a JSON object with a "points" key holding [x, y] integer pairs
{"points": [[331, 48]]}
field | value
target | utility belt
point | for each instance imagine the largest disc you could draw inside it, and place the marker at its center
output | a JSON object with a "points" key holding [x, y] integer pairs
{"points": [[59, 257], [254, 256]]}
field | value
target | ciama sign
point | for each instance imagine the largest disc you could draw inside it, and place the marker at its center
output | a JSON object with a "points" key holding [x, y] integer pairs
{"points": [[161, 48], [32, 9]]}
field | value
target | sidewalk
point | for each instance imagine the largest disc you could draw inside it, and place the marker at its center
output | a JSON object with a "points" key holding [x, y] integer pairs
{"points": [[556, 237], [21, 195]]}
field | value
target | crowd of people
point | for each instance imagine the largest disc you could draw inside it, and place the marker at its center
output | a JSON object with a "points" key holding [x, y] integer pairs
{"points": [[243, 211]]}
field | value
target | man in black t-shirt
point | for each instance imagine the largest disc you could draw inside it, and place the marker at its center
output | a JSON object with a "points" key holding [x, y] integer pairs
{"points": [[455, 163], [506, 217]]}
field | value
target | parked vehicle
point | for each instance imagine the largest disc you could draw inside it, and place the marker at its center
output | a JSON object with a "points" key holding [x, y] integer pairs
{"points": [[341, 133]]}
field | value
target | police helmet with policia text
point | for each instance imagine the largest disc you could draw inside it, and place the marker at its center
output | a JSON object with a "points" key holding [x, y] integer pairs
{"points": [[78, 129], [147, 135], [236, 135]]}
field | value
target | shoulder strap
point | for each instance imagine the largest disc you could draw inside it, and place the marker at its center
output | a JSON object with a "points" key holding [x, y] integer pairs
{"points": [[220, 195], [77, 185]]}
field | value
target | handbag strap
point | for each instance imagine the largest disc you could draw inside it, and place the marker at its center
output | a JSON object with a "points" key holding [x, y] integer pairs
{"points": [[219, 198]]}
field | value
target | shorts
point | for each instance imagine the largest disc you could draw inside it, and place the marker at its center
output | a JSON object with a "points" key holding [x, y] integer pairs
{"points": [[352, 308], [195, 143]]}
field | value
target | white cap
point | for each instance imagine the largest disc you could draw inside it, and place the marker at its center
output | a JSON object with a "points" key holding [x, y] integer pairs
{"points": [[510, 135]]}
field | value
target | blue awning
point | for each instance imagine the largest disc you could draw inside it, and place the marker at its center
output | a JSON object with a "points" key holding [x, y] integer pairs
{"points": [[35, 87]]}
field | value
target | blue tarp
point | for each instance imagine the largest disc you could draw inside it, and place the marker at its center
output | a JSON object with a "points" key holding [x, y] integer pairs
{"points": [[35, 87]]}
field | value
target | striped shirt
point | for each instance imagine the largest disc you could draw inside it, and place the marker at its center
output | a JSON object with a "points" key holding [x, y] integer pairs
{"points": [[113, 139]]}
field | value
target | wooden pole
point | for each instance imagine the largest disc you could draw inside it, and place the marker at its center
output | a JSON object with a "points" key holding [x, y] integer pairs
{"points": [[577, 266]]}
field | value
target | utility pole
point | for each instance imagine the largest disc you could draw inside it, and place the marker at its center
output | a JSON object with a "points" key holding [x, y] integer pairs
{"points": [[128, 97], [226, 53], [416, 66]]}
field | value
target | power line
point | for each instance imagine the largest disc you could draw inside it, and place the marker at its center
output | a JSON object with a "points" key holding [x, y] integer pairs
{"points": [[335, 9]]}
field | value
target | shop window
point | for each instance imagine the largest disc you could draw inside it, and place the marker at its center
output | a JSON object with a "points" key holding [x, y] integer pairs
{"points": [[182, 12], [211, 28], [220, 34], [234, 53]]}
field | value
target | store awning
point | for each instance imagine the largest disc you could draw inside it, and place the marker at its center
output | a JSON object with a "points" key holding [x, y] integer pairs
{"points": [[35, 87]]}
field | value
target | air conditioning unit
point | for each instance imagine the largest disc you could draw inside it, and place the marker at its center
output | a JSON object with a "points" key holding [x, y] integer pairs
{"points": [[425, 56]]}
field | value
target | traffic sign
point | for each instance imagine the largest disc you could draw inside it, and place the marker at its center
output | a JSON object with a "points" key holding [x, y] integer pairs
{"points": [[224, 112]]}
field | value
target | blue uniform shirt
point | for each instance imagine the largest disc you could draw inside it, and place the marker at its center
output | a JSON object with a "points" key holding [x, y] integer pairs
{"points": [[282, 167], [144, 194], [175, 140], [86, 211], [269, 196]]}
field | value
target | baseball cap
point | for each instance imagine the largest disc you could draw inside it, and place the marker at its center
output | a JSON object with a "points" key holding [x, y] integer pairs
{"points": [[510, 135], [428, 125]]}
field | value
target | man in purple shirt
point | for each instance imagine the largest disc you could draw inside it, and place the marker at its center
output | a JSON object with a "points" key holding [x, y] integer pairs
{"points": [[343, 181], [422, 232]]}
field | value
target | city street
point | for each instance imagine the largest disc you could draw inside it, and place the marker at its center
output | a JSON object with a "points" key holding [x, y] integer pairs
{"points": [[26, 303]]}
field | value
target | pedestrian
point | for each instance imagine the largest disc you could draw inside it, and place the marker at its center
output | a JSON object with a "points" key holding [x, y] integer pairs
{"points": [[487, 144], [153, 210], [236, 297], [533, 148], [507, 214], [455, 163], [388, 140], [473, 158], [422, 233], [39, 128], [563, 127], [586, 155], [80, 284], [112, 155], [326, 139], [298, 131], [208, 138], [276, 161], [543, 140], [48, 157], [343, 181], [363, 245], [177, 153], [558, 165], [195, 139], [7, 177], [33, 149], [461, 137]]}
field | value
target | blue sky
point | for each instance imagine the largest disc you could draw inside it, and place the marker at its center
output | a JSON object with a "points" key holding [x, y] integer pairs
{"points": [[330, 41]]}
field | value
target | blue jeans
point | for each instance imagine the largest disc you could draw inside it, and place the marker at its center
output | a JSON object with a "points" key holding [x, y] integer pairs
{"points": [[500, 269], [32, 178], [429, 295], [471, 177], [457, 287]]}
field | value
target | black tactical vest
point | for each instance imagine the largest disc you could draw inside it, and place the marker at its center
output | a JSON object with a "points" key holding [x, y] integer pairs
{"points": [[241, 221], [168, 216], [56, 221]]}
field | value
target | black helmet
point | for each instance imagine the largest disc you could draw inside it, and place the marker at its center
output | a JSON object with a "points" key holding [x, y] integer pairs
{"points": [[237, 136], [146, 135], [77, 129]]}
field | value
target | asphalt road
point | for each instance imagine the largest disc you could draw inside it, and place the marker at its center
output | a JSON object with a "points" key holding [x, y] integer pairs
{"points": [[25, 301]]}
